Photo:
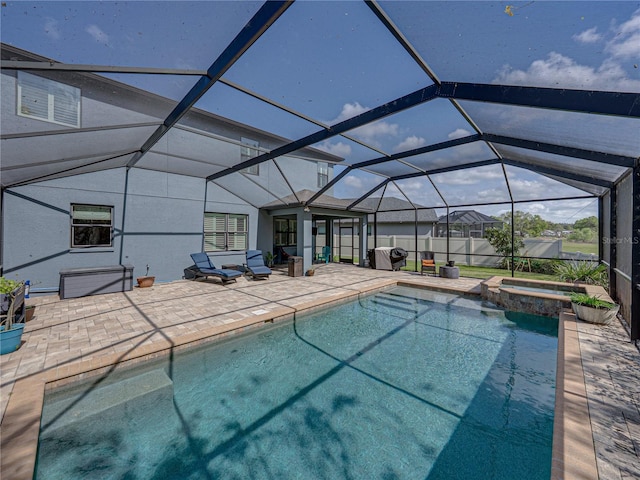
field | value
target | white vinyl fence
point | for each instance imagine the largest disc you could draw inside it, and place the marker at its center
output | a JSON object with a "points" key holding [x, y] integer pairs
{"points": [[467, 251]]}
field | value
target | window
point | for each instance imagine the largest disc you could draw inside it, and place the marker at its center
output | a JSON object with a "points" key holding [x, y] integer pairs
{"points": [[249, 150], [47, 100], [323, 174], [225, 231], [91, 226], [286, 231]]}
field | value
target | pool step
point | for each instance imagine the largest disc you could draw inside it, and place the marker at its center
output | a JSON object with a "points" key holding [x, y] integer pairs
{"points": [[150, 391]]}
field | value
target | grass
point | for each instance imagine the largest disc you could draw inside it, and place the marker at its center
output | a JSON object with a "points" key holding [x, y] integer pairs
{"points": [[580, 247], [487, 272]]}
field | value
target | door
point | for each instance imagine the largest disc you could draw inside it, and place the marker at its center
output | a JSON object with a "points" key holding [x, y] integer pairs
{"points": [[345, 243]]}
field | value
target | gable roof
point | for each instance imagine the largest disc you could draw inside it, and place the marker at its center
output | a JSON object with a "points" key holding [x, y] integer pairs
{"points": [[469, 217]]}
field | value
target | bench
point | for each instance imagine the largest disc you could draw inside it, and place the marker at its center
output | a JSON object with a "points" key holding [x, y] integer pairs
{"points": [[82, 282]]}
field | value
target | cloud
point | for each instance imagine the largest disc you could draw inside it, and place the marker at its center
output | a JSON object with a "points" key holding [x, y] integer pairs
{"points": [[339, 149], [353, 182], [467, 177], [535, 208], [558, 70], [559, 211], [371, 132], [349, 110], [588, 36], [625, 43], [51, 28], [459, 133], [367, 133], [410, 143], [97, 34]]}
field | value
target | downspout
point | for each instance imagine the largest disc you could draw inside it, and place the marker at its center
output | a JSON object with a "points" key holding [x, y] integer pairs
{"points": [[124, 213]]}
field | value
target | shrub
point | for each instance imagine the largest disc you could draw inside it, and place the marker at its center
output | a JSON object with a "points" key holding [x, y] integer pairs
{"points": [[590, 301], [539, 265], [592, 273], [7, 285]]}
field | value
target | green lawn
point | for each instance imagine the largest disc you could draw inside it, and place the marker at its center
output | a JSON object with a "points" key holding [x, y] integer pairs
{"points": [[486, 272], [580, 247]]}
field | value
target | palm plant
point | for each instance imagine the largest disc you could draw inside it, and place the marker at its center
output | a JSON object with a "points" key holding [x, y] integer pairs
{"points": [[592, 273]]}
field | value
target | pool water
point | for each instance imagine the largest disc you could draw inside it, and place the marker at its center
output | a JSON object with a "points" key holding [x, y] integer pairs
{"points": [[403, 384], [553, 291]]}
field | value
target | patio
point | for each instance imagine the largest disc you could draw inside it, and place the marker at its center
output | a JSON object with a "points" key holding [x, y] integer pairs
{"points": [[75, 338]]}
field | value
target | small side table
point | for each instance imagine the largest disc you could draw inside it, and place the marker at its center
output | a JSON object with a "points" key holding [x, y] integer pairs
{"points": [[449, 272]]}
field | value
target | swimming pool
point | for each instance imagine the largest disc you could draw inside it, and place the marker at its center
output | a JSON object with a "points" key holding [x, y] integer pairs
{"points": [[402, 384]]}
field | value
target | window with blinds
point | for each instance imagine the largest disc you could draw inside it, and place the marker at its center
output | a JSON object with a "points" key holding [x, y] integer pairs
{"points": [[225, 231], [249, 150], [91, 226], [48, 100], [323, 174]]}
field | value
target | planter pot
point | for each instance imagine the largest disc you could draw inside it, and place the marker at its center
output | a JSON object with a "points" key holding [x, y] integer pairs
{"points": [[144, 282], [29, 313], [451, 263], [5, 300], [601, 316], [10, 339]]}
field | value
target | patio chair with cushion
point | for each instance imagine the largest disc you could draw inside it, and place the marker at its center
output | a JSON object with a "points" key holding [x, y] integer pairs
{"points": [[255, 265], [203, 268], [427, 262]]}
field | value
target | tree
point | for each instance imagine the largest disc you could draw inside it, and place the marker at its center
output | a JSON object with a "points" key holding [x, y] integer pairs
{"points": [[589, 222], [586, 235], [500, 240], [525, 223]]}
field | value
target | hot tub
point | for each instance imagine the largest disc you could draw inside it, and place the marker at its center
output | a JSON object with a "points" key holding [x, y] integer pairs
{"points": [[532, 296]]}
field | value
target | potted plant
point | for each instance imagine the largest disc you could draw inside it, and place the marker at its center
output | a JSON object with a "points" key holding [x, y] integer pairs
{"points": [[268, 259], [10, 330], [593, 309], [146, 281], [6, 287]]}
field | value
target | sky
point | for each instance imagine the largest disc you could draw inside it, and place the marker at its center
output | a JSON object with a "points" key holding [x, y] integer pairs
{"points": [[334, 60]]}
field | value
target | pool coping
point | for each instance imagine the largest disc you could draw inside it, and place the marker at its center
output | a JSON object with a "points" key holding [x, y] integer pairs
{"points": [[572, 457]]}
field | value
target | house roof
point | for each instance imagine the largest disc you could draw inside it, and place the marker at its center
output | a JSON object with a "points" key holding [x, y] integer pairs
{"points": [[469, 217]]}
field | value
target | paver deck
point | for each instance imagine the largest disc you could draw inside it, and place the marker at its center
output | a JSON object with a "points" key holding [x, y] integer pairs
{"points": [[70, 337]]}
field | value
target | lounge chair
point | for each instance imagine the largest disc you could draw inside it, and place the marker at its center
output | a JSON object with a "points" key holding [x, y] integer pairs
{"points": [[255, 265], [204, 268], [427, 262]]}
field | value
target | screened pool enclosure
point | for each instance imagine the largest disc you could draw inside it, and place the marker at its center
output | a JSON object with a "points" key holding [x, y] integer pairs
{"points": [[159, 112]]}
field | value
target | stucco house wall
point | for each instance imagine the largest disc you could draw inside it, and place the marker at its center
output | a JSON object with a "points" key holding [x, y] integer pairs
{"points": [[159, 222], [158, 212]]}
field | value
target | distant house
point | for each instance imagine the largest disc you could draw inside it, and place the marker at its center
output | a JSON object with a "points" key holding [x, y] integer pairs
{"points": [[393, 218], [466, 223]]}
